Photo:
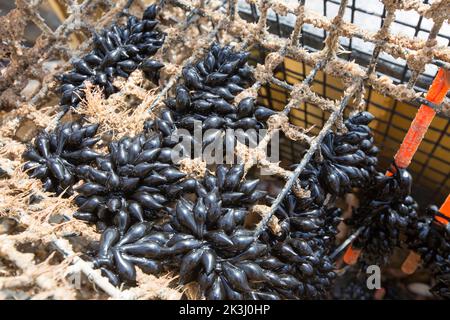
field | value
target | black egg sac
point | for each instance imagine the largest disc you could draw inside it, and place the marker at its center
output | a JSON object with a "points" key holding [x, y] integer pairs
{"points": [[117, 52], [153, 217], [204, 239], [430, 239], [424, 237], [349, 158], [304, 244], [348, 161], [129, 184], [442, 276], [386, 210], [53, 156], [313, 221], [209, 88]]}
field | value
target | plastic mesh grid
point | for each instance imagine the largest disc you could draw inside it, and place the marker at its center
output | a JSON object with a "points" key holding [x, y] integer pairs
{"points": [[358, 79]]}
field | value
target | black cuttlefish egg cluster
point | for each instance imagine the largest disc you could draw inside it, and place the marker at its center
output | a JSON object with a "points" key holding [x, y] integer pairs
{"points": [[431, 240], [117, 51], [308, 226], [207, 95], [386, 210], [130, 183], [155, 217], [53, 156], [204, 237], [348, 161], [303, 246], [350, 158]]}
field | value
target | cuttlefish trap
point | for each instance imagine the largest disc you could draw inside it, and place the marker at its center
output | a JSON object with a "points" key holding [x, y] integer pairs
{"points": [[94, 95]]}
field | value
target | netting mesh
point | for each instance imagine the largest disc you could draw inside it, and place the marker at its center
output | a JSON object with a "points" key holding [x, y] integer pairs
{"points": [[430, 166], [28, 103]]}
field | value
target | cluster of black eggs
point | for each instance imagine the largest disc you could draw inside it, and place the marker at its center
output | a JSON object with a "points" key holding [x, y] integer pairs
{"points": [[350, 158], [208, 91], [130, 183], [54, 156], [308, 226], [316, 222], [348, 161], [201, 232], [386, 211], [203, 236], [154, 217], [303, 244], [431, 240], [117, 52], [424, 236]]}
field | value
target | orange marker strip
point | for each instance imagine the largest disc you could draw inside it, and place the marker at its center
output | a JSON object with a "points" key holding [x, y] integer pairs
{"points": [[419, 126], [445, 211], [410, 264], [351, 255]]}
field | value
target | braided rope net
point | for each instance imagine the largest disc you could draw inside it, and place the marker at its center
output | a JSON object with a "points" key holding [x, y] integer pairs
{"points": [[41, 247]]}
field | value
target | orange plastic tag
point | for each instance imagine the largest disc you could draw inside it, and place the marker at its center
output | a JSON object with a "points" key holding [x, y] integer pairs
{"points": [[409, 266], [419, 126], [444, 210], [351, 255]]}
